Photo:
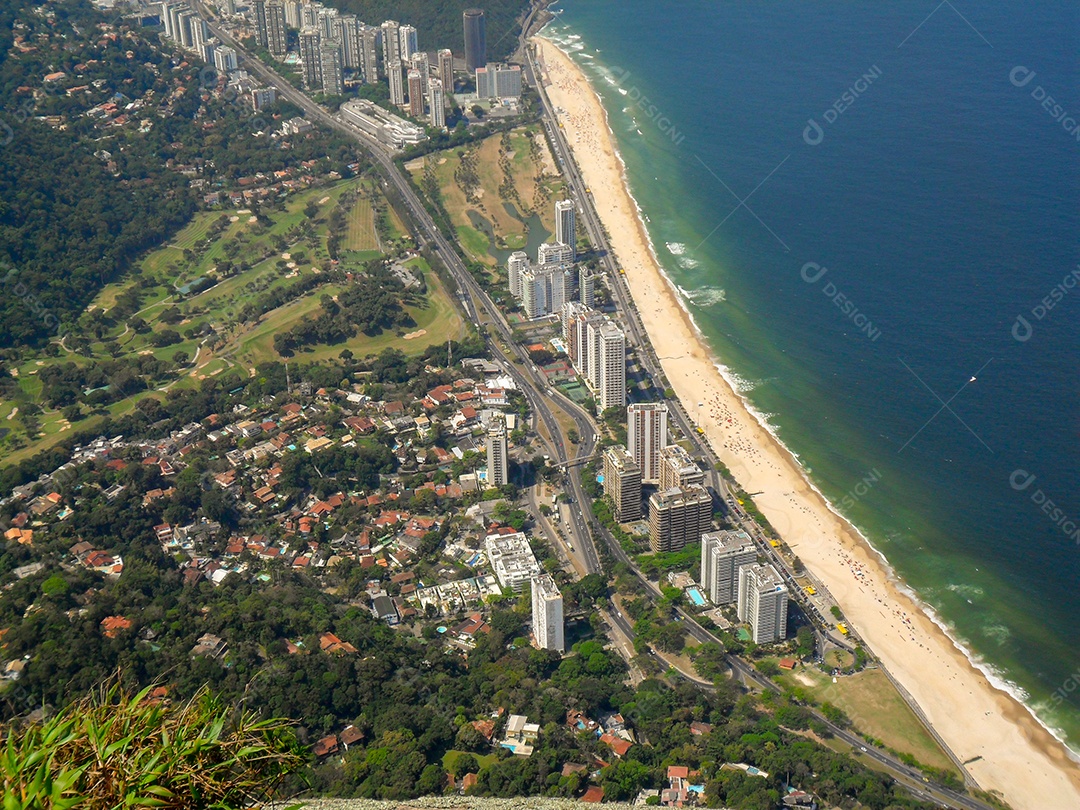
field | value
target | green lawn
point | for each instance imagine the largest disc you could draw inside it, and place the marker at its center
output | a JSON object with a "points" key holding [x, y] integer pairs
{"points": [[361, 233], [875, 708], [436, 322], [166, 267], [488, 201], [451, 757], [474, 242]]}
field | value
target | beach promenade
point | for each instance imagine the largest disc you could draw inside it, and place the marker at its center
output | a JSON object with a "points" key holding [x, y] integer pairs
{"points": [[1005, 748]]}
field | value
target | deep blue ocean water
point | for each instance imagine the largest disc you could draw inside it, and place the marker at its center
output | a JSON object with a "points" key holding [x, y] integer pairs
{"points": [[855, 261]]}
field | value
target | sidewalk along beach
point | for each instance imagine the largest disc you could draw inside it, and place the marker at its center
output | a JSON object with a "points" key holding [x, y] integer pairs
{"points": [[1013, 753]]}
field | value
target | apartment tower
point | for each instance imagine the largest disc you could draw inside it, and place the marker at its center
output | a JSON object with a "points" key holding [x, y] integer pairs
{"points": [[622, 483], [498, 461], [763, 599], [678, 468], [547, 614], [565, 228], [646, 436], [678, 517], [722, 555]]}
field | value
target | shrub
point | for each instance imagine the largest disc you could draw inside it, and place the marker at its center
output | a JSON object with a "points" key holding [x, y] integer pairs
{"points": [[111, 749]]}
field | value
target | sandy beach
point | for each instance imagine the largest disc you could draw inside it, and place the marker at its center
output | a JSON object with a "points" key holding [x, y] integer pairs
{"points": [[1012, 753]]}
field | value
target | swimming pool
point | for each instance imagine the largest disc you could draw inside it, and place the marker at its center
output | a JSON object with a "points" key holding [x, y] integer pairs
{"points": [[695, 596]]}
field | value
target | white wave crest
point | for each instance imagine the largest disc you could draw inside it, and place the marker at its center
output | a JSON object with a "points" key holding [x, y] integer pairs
{"points": [[704, 296]]}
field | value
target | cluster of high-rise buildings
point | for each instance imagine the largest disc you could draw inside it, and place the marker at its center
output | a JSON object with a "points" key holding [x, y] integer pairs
{"points": [[556, 285], [680, 514], [597, 349], [730, 572], [544, 287], [680, 511], [332, 44], [188, 30]]}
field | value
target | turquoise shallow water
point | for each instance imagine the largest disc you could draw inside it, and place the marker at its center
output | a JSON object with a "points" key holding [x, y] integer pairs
{"points": [[866, 207]]}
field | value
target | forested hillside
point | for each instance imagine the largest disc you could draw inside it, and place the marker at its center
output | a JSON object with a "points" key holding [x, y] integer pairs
{"points": [[109, 155]]}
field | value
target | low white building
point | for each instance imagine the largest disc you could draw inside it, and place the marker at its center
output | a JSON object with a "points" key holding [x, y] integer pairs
{"points": [[511, 559], [382, 124]]}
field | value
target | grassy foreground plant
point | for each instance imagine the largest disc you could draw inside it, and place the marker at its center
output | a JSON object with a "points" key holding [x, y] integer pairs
{"points": [[114, 750]]}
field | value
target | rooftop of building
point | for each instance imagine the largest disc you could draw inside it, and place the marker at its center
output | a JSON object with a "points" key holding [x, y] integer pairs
{"points": [[676, 495], [729, 539]]}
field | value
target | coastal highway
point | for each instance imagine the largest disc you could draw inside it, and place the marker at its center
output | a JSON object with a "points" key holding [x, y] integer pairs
{"points": [[651, 364], [639, 338], [473, 299]]}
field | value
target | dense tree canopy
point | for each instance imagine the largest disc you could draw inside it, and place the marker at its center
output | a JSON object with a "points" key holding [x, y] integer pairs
{"points": [[80, 201]]}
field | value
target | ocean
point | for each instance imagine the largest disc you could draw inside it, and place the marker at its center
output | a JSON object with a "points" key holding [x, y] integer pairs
{"points": [[872, 210]]}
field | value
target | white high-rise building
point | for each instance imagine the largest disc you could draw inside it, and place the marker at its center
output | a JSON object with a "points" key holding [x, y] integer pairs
{"points": [[166, 18], [497, 81], [543, 290], [225, 59], [547, 614], [554, 253], [186, 18], [606, 363], [396, 78], [498, 461], [347, 33], [407, 44], [309, 15], [515, 266], [763, 599], [391, 46], [646, 436], [292, 13], [328, 18], [581, 342], [512, 560], [436, 104], [565, 228], [200, 36], [587, 288], [722, 555]]}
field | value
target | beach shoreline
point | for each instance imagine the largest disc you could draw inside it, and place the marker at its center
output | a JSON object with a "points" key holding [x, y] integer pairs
{"points": [[979, 719]]}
